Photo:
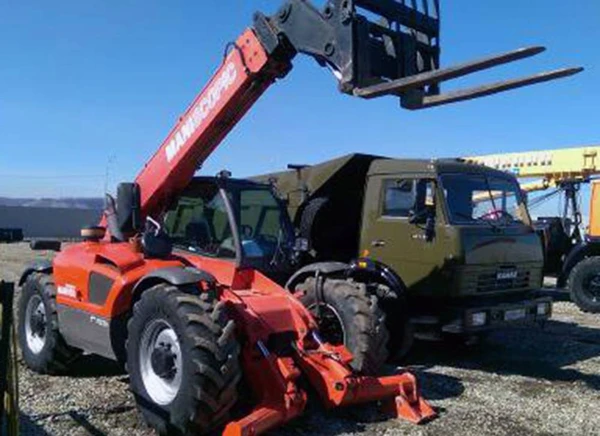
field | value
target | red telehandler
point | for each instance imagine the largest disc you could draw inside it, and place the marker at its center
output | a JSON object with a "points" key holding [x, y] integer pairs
{"points": [[210, 340]]}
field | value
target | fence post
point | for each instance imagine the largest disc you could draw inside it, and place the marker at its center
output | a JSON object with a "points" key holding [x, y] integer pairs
{"points": [[6, 314]]}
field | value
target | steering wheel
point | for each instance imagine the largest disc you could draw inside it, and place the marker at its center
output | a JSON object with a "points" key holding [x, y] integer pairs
{"points": [[495, 214]]}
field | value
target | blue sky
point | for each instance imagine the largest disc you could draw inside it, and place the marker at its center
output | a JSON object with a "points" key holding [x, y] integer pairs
{"points": [[86, 85]]}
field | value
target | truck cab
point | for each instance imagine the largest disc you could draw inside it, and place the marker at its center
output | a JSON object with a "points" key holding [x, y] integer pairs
{"points": [[460, 238]]}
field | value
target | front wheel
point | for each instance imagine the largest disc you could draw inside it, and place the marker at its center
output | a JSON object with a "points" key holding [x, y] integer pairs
{"points": [[347, 315], [584, 285], [43, 347], [183, 361]]}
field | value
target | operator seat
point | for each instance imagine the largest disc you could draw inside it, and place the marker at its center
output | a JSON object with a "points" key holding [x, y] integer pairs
{"points": [[198, 232]]}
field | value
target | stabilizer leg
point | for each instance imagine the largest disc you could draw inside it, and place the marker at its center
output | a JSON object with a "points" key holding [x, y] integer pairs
{"points": [[409, 404], [273, 380], [337, 386]]}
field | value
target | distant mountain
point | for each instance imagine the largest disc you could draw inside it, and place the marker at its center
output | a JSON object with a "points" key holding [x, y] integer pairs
{"points": [[55, 203]]}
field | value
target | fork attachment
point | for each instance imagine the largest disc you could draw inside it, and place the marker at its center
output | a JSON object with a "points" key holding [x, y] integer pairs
{"points": [[387, 47]]}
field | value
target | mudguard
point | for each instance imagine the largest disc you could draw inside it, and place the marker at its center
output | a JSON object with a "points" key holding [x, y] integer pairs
{"points": [[177, 276], [324, 268], [589, 247], [357, 268], [377, 269], [43, 266]]}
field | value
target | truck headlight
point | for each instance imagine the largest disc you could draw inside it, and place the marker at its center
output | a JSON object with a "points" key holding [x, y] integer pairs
{"points": [[478, 319], [543, 309]]}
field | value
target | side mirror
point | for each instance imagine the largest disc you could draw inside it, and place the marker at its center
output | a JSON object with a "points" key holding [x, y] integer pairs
{"points": [[430, 228], [128, 208], [155, 242]]}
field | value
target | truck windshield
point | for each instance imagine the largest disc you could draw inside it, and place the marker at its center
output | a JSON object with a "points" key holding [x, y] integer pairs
{"points": [[199, 222], [475, 198]]}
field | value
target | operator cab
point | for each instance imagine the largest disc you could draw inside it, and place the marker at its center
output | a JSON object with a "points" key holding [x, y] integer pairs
{"points": [[235, 220]]}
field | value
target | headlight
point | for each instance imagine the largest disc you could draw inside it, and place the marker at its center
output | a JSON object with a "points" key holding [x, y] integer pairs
{"points": [[478, 319], [543, 309]]}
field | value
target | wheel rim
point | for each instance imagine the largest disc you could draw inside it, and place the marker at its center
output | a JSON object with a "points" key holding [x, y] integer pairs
{"points": [[36, 324], [331, 327], [592, 288], [161, 365]]}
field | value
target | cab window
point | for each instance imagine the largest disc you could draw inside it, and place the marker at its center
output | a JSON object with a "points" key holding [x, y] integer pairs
{"points": [[399, 197], [199, 222], [403, 197]]}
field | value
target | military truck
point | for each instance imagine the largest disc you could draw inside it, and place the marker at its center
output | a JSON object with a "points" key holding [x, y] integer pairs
{"points": [[446, 247]]}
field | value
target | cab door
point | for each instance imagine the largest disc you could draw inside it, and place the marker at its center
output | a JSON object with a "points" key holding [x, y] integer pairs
{"points": [[403, 228]]}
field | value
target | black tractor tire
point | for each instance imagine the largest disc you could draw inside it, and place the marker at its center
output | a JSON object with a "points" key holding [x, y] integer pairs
{"points": [[46, 352], [208, 361], [584, 285], [349, 316]]}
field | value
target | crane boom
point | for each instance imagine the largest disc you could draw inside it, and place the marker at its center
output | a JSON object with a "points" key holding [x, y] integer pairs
{"points": [[396, 55], [552, 166]]}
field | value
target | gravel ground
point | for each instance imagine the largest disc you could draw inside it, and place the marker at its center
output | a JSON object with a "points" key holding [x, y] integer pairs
{"points": [[526, 381]]}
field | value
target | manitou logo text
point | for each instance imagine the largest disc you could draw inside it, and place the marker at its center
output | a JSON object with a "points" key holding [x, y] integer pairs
{"points": [[201, 111], [67, 291]]}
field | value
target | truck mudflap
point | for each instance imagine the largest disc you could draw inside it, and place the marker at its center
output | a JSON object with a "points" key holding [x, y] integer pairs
{"points": [[475, 319]]}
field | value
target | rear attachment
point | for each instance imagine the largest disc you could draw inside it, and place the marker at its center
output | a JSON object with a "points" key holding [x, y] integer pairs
{"points": [[387, 47], [275, 381]]}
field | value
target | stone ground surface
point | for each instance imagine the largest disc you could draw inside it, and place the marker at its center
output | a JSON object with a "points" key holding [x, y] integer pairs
{"points": [[527, 381]]}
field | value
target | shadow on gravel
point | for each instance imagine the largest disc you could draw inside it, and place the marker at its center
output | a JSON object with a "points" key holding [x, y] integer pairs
{"points": [[90, 366], [86, 424], [28, 427], [531, 352]]}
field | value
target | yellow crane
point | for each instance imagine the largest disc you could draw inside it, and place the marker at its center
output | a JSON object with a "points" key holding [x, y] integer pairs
{"points": [[552, 166], [571, 258], [565, 168]]}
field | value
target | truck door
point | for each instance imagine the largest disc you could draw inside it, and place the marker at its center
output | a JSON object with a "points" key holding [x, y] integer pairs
{"points": [[401, 229]]}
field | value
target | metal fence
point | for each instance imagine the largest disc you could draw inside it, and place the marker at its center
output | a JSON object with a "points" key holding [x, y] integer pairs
{"points": [[46, 222]]}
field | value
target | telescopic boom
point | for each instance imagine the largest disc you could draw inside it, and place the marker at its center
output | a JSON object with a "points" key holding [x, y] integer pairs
{"points": [[373, 47]]}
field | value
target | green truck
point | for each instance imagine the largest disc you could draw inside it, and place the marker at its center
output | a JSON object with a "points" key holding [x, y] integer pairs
{"points": [[443, 247]]}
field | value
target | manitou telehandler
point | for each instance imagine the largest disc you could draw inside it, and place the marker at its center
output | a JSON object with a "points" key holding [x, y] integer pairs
{"points": [[205, 327]]}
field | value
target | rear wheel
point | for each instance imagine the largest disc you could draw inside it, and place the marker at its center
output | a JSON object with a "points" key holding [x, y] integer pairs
{"points": [[402, 330], [183, 361], [44, 349], [348, 315], [584, 285]]}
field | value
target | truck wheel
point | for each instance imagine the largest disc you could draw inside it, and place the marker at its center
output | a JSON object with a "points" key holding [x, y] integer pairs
{"points": [[584, 285], [44, 349], [402, 330], [183, 361], [348, 315]]}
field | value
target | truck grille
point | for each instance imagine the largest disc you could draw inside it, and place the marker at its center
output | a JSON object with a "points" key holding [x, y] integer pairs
{"points": [[494, 282]]}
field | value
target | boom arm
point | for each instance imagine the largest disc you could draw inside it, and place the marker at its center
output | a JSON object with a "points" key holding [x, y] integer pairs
{"points": [[397, 55], [553, 167]]}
